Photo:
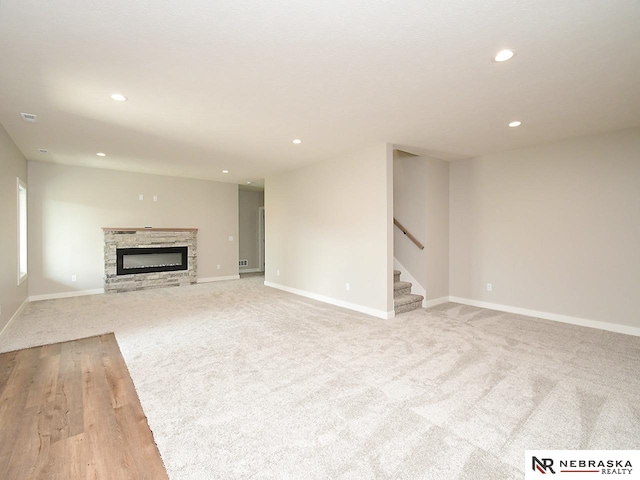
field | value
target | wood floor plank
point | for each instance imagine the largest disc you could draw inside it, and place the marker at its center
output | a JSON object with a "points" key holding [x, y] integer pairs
{"points": [[119, 381], [4, 465], [50, 350], [69, 458], [42, 460], [103, 450], [14, 399], [131, 422], [24, 370], [70, 411], [68, 419], [7, 364], [43, 384], [26, 446]]}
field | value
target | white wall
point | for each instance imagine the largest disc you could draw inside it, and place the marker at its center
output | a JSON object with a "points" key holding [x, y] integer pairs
{"points": [[12, 165], [331, 223], [555, 228], [421, 204], [68, 206], [249, 202]]}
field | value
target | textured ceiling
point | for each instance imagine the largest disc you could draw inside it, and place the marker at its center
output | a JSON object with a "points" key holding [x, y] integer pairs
{"points": [[228, 84]]}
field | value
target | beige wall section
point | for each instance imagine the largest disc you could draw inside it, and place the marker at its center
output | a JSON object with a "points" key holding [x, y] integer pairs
{"points": [[12, 166], [421, 204], [249, 203], [554, 228], [329, 224], [70, 205]]}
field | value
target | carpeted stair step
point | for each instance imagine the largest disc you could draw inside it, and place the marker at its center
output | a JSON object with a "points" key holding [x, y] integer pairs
{"points": [[406, 303], [401, 288], [403, 299]]}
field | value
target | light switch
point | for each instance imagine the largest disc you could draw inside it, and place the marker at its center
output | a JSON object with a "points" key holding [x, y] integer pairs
{"points": [[231, 238], [141, 197]]}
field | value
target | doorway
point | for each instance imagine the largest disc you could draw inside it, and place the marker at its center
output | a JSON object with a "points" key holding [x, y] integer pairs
{"points": [[261, 243]]}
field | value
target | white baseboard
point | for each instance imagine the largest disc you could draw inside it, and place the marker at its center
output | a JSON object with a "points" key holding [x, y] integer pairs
{"points": [[218, 279], [611, 327], [15, 315], [76, 293], [251, 270], [333, 301], [434, 302]]}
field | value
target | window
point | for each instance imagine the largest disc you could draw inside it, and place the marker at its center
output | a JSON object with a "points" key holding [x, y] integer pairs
{"points": [[22, 231]]}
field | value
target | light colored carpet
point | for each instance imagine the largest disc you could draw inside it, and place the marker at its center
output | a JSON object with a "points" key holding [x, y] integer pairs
{"points": [[242, 381]]}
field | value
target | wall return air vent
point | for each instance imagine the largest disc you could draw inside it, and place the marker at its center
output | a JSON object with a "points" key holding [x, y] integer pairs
{"points": [[28, 117]]}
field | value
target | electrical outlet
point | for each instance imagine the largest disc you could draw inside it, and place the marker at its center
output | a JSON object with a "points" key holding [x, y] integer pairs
{"points": [[0, 310], [141, 197], [347, 286], [218, 267], [489, 287], [277, 273], [73, 278], [231, 238], [155, 198]]}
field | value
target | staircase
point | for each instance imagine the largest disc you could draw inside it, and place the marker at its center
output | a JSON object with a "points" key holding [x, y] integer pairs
{"points": [[403, 299]]}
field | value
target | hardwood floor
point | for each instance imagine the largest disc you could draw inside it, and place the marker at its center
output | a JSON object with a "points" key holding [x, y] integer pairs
{"points": [[70, 411]]}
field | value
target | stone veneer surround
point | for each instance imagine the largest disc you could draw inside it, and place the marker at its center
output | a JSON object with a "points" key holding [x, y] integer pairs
{"points": [[115, 238]]}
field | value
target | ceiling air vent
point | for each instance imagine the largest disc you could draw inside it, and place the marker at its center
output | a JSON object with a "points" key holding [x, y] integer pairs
{"points": [[28, 117]]}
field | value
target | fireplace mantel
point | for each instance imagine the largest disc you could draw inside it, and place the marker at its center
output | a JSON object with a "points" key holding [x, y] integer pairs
{"points": [[147, 229]]}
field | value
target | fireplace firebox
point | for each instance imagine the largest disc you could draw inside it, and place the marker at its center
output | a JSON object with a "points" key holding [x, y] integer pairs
{"points": [[152, 259]]}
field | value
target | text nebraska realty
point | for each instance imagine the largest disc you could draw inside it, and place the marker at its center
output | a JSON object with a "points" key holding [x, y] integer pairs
{"points": [[607, 467]]}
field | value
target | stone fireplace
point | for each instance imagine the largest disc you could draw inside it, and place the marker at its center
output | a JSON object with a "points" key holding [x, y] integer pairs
{"points": [[142, 258]]}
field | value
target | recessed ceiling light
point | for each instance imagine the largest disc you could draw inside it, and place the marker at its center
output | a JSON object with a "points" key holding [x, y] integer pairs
{"points": [[515, 124], [100, 154], [118, 97], [43, 150], [225, 171], [503, 55], [297, 141]]}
